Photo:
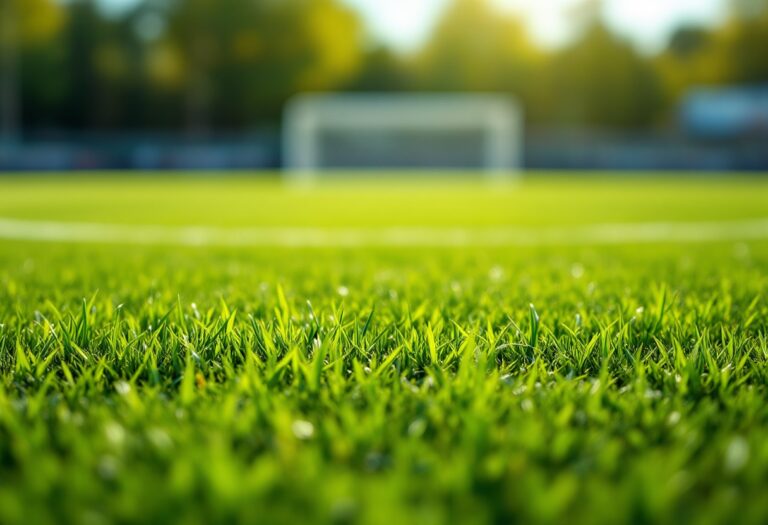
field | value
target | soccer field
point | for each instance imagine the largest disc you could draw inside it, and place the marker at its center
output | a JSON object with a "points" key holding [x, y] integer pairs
{"points": [[229, 349]]}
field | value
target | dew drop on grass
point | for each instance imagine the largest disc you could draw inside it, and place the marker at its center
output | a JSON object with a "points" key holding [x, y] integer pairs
{"points": [[577, 271], [737, 454], [108, 468], [680, 481], [653, 394], [375, 461], [115, 433], [344, 511], [417, 428], [342, 291], [122, 388], [160, 439], [302, 429]]}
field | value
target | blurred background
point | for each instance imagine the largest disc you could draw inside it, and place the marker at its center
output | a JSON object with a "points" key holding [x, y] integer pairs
{"points": [[184, 84]]}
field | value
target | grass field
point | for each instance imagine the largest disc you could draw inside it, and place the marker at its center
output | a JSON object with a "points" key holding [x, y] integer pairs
{"points": [[588, 378]]}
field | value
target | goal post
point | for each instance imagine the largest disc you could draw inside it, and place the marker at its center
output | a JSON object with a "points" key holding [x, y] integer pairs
{"points": [[482, 132]]}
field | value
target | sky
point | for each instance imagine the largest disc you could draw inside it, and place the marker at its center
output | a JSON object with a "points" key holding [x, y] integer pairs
{"points": [[404, 24]]}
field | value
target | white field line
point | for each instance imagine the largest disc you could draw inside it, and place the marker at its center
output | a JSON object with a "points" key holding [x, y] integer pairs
{"points": [[620, 233]]}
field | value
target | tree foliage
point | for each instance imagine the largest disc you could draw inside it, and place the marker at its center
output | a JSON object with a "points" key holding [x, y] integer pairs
{"points": [[231, 64], [601, 79]]}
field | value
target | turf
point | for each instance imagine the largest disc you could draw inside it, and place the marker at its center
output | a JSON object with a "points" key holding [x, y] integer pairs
{"points": [[583, 383]]}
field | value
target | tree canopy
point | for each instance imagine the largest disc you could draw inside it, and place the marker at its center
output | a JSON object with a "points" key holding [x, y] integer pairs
{"points": [[231, 64]]}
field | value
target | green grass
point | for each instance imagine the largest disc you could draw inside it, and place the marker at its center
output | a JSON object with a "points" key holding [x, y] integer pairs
{"points": [[226, 200], [601, 384]]}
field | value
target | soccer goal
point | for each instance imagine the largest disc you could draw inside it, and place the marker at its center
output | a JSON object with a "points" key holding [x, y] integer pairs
{"points": [[478, 133]]}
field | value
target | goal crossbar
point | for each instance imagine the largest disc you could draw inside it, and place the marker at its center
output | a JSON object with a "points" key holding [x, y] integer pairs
{"points": [[496, 117]]}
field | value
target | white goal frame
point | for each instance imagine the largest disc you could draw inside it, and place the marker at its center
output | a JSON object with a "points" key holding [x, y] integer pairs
{"points": [[498, 116]]}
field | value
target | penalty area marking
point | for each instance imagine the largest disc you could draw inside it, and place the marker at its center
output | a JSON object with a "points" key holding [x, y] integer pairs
{"points": [[617, 233]]}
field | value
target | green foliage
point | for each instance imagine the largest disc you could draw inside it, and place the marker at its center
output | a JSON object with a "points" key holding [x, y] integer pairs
{"points": [[198, 64], [601, 80], [242, 59], [733, 54], [232, 64], [474, 47], [36, 20], [198, 385]]}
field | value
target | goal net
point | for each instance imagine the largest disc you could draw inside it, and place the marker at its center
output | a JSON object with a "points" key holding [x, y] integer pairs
{"points": [[473, 132]]}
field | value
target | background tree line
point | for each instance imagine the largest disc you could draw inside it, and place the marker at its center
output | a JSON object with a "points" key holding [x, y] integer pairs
{"points": [[231, 64]]}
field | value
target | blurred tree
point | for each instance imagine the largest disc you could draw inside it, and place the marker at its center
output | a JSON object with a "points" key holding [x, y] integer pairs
{"points": [[733, 54], [241, 59], [24, 24], [689, 60], [597, 80], [746, 9], [744, 42], [688, 41], [230, 64], [475, 47], [35, 20], [382, 70], [601, 80], [84, 75], [173, 63], [97, 69]]}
